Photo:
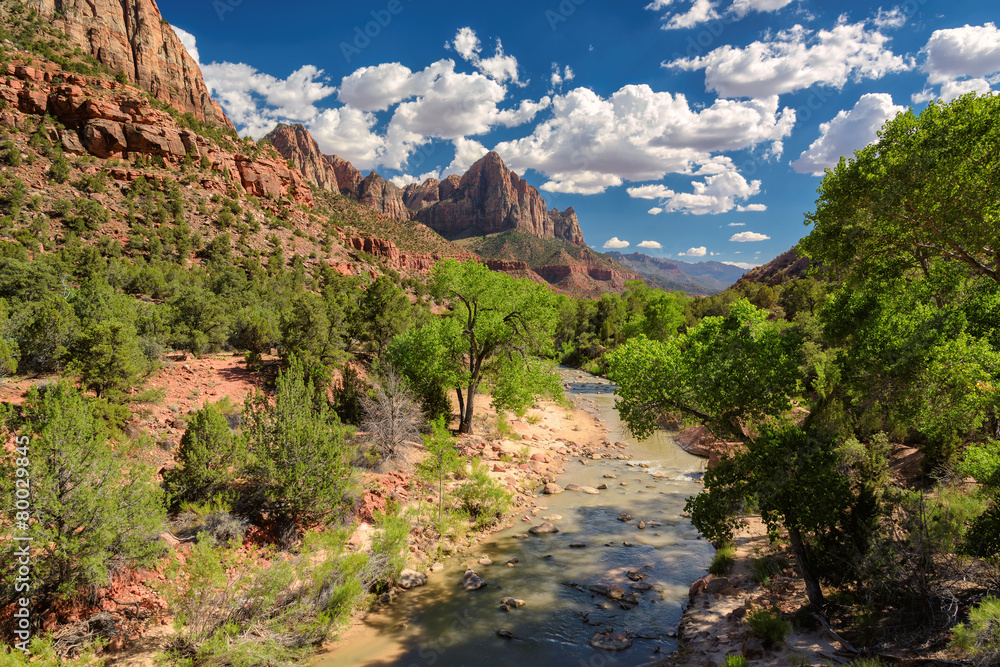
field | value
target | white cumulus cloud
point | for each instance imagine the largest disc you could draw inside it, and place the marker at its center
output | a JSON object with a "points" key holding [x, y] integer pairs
{"points": [[716, 194], [745, 237], [500, 67], [751, 208], [615, 243], [795, 59], [591, 143], [654, 245], [742, 265], [961, 60], [189, 42], [694, 252], [703, 11], [847, 132]]}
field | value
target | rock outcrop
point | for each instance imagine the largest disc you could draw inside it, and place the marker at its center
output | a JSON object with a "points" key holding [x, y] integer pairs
{"points": [[566, 226], [491, 198], [131, 36], [295, 143], [348, 178], [420, 196], [385, 197], [110, 120]]}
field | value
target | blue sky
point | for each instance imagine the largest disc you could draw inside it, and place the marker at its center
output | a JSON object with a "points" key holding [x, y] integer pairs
{"points": [[694, 129]]}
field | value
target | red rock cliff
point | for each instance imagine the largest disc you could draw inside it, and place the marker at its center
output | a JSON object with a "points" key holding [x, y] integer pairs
{"points": [[131, 36], [489, 198]]}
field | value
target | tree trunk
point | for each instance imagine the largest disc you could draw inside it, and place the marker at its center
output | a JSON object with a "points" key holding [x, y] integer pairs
{"points": [[461, 405], [813, 590], [465, 426]]}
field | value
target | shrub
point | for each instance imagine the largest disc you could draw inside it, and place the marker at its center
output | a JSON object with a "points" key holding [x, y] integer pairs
{"points": [[210, 458], [93, 511], [722, 563], [10, 154], [483, 498], [768, 626], [389, 546], [979, 638], [735, 661], [59, 171], [300, 449], [234, 608]]}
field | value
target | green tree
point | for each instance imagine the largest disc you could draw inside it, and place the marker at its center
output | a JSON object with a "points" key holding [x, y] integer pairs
{"points": [[727, 372], [301, 454], [209, 460], [384, 312], [500, 318], [107, 358], [94, 510], [926, 190], [430, 358]]}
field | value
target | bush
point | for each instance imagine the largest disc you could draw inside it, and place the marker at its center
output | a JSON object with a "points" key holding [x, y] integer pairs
{"points": [[768, 626], [389, 546], [59, 171], [483, 498], [735, 661], [209, 459], [979, 638], [300, 449], [231, 607], [723, 561], [93, 510]]}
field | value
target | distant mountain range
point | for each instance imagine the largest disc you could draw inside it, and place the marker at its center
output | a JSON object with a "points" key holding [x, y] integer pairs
{"points": [[673, 274]]}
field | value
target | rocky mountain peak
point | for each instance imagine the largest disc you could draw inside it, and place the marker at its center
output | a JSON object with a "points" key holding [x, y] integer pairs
{"points": [[131, 36], [491, 198]]}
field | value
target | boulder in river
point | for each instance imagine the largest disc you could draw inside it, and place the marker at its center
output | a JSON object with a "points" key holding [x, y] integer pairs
{"points": [[625, 516], [512, 603], [472, 581], [610, 641], [543, 529], [590, 490], [411, 579], [552, 489]]}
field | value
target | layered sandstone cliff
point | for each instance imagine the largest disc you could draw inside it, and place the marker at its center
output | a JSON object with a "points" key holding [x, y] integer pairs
{"points": [[490, 198], [131, 36]]}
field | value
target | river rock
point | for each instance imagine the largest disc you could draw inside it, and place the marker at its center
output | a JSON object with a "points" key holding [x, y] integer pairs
{"points": [[472, 581], [577, 545], [572, 487], [625, 516], [610, 641], [436, 567], [635, 575], [512, 603], [610, 475], [553, 517], [552, 489], [642, 525], [411, 579], [543, 529], [505, 634], [485, 560], [589, 490], [615, 592], [602, 487]]}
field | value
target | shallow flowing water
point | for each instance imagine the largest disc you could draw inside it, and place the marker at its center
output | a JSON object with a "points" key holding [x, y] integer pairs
{"points": [[442, 624]]}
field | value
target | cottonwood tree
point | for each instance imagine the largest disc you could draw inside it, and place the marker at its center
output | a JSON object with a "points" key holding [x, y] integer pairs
{"points": [[926, 190], [496, 322], [727, 372]]}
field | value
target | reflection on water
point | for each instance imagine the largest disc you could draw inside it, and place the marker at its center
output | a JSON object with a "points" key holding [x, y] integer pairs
{"points": [[441, 624]]}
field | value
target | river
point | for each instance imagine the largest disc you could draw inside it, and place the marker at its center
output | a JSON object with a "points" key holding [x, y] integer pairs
{"points": [[442, 624]]}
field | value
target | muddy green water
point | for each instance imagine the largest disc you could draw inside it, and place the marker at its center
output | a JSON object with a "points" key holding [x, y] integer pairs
{"points": [[441, 624]]}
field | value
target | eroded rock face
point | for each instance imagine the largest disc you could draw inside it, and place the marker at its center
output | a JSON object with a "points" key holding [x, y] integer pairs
{"points": [[566, 226], [110, 120], [295, 143], [489, 198], [348, 178], [381, 195], [131, 36]]}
